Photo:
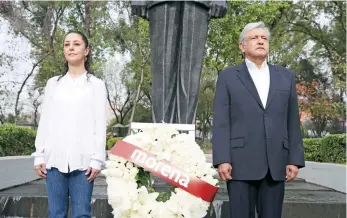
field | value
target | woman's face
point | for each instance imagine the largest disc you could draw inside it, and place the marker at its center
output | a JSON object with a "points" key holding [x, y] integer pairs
{"points": [[75, 50]]}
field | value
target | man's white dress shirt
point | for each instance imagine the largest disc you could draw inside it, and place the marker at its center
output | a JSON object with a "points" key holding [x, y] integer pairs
{"points": [[261, 79], [72, 128]]}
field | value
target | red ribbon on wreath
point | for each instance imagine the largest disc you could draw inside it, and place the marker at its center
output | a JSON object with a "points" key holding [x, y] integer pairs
{"points": [[165, 170]]}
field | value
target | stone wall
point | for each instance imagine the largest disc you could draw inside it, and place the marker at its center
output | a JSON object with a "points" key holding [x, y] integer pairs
{"points": [[16, 170], [325, 174]]}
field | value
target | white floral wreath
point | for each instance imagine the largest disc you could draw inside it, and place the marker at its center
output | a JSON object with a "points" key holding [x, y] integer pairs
{"points": [[130, 191]]}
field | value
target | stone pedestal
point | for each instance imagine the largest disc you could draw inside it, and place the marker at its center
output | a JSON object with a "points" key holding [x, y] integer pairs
{"points": [[302, 200]]}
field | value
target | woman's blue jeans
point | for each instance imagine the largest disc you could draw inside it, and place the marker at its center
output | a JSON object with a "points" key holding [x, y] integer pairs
{"points": [[62, 185]]}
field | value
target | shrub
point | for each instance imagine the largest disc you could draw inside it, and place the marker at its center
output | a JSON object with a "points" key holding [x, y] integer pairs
{"points": [[112, 141], [330, 149], [333, 148], [312, 149], [15, 140]]}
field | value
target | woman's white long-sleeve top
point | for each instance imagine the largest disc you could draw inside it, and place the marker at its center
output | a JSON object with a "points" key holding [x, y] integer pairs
{"points": [[72, 128]]}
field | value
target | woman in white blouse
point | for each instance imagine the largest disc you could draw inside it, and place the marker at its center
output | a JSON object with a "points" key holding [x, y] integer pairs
{"points": [[71, 137]]}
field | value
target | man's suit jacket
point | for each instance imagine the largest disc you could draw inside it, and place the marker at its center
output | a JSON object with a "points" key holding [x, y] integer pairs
{"points": [[253, 138]]}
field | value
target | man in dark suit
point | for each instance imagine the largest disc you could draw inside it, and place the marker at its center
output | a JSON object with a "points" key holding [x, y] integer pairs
{"points": [[257, 142]]}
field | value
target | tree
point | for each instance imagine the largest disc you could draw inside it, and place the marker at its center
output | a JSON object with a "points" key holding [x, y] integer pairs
{"points": [[306, 72], [329, 38], [324, 110], [132, 36], [321, 108], [35, 100], [5, 105], [204, 112], [223, 37], [118, 94], [16, 110]]}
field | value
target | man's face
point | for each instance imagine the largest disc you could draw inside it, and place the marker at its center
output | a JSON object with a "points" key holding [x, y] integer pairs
{"points": [[255, 44]]}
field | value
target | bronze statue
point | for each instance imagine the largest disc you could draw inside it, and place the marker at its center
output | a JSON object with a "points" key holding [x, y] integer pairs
{"points": [[178, 32]]}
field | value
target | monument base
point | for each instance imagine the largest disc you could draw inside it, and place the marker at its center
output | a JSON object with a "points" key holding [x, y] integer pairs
{"points": [[302, 200]]}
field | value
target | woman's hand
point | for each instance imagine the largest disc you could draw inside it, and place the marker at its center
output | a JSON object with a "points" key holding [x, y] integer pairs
{"points": [[41, 170], [93, 173]]}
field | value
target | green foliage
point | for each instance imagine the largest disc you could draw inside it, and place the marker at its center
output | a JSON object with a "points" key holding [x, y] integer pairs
{"points": [[339, 69], [223, 39], [205, 145], [143, 178], [133, 37], [330, 149], [324, 110], [312, 149], [164, 196], [143, 114], [333, 148], [204, 112], [16, 140], [112, 141]]}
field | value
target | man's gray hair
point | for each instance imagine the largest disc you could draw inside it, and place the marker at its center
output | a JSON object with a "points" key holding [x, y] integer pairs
{"points": [[252, 26]]}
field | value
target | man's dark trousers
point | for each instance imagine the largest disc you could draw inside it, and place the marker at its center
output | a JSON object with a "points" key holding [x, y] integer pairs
{"points": [[264, 196]]}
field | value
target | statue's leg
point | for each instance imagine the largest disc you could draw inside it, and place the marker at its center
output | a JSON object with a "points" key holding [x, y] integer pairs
{"points": [[193, 39], [164, 21]]}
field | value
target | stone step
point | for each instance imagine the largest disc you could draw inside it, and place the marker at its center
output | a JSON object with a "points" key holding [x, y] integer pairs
{"points": [[25, 207], [296, 210], [302, 200]]}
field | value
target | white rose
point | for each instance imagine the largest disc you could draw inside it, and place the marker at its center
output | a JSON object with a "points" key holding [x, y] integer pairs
{"points": [[133, 172], [115, 172], [130, 165]]}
